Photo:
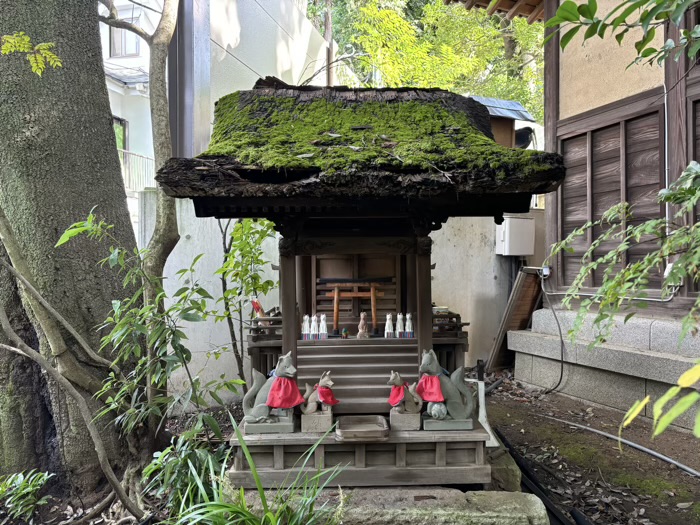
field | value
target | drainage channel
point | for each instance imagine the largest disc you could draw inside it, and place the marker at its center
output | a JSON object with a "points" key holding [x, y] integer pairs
{"points": [[529, 483]]}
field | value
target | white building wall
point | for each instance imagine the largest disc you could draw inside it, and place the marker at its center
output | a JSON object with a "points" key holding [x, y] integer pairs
{"points": [[258, 38], [249, 39]]}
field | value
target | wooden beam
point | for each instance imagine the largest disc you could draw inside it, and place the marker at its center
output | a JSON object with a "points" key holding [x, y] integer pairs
{"points": [[514, 11], [288, 301], [536, 13], [551, 120], [424, 298], [493, 7]]}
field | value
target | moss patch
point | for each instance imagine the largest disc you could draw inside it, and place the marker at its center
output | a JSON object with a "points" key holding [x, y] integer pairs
{"points": [[278, 132]]}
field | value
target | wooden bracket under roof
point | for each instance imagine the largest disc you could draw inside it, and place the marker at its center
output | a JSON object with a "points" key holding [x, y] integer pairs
{"points": [[532, 10]]}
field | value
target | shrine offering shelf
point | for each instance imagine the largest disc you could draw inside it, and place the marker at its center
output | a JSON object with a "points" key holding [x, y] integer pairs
{"points": [[406, 458]]}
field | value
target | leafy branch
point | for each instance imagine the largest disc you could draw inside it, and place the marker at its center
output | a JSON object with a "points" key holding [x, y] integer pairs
{"points": [[39, 56], [647, 16]]}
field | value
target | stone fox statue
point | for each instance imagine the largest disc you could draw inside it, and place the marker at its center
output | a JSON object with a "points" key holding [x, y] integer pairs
{"points": [[435, 387], [403, 398], [321, 394], [278, 391]]}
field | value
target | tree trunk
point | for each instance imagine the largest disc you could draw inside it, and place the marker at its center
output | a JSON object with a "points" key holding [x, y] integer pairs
{"points": [[57, 161], [27, 433]]}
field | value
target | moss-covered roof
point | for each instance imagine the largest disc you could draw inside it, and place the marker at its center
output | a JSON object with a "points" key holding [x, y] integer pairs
{"points": [[284, 141]]}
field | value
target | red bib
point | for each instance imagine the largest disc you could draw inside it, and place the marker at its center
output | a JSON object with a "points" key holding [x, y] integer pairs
{"points": [[397, 394], [326, 396], [284, 393], [429, 389]]}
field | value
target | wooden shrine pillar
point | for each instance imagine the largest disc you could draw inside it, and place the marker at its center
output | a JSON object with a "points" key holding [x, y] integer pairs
{"points": [[288, 297], [424, 307]]}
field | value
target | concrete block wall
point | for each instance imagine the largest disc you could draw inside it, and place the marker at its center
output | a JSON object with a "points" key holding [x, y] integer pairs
{"points": [[642, 357]]}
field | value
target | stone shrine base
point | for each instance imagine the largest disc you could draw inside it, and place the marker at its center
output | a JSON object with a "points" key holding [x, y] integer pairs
{"points": [[430, 505], [406, 457]]}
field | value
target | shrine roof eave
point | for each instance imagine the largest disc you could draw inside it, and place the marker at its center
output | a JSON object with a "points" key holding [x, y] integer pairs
{"points": [[220, 189]]}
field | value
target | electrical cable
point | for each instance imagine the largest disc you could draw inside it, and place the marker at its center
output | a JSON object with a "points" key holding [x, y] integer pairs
{"points": [[632, 444], [561, 335]]}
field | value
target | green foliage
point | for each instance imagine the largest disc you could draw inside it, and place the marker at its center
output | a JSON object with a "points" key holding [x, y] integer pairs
{"points": [[676, 256], [642, 18], [39, 55], [425, 43], [244, 264], [294, 503], [187, 473], [135, 327], [19, 494]]}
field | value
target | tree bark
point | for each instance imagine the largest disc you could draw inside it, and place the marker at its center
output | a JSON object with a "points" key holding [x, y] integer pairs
{"points": [[57, 161], [27, 434]]}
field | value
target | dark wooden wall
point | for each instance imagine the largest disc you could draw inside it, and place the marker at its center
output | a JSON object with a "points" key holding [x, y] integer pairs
{"points": [[606, 165]]}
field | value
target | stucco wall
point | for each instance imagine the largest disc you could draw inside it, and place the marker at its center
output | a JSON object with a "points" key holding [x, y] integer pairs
{"points": [[595, 73], [471, 279]]}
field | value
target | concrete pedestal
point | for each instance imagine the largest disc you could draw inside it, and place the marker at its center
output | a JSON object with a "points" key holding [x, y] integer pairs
{"points": [[282, 425], [319, 422], [404, 421], [447, 424]]}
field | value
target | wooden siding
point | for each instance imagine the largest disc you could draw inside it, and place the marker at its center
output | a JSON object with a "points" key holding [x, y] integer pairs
{"points": [[606, 166]]}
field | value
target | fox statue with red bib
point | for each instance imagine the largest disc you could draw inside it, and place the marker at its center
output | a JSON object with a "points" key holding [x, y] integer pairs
{"points": [[448, 397], [279, 391]]}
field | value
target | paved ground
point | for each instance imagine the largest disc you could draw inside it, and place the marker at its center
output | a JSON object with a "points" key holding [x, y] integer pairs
{"points": [[590, 472]]}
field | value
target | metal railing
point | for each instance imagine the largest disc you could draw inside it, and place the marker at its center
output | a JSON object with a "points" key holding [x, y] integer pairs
{"points": [[138, 171]]}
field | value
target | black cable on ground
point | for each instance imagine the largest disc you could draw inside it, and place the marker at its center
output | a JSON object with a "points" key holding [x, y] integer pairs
{"points": [[561, 336], [530, 481]]}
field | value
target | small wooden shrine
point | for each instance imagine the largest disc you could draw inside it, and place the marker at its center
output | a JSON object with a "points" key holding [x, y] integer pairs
{"points": [[355, 180]]}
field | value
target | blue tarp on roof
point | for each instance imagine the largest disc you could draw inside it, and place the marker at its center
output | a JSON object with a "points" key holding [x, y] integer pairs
{"points": [[505, 108]]}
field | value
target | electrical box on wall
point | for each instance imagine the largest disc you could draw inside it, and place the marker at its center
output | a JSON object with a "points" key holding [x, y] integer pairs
{"points": [[515, 236]]}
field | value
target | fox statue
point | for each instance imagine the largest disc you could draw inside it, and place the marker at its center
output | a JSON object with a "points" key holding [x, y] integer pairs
{"points": [[438, 389], [321, 394], [404, 398], [278, 391]]}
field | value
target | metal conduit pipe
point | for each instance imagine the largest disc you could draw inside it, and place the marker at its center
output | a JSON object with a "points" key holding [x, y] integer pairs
{"points": [[632, 444]]}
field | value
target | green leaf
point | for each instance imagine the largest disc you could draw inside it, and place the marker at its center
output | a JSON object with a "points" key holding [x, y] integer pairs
{"points": [[628, 11], [634, 411], [619, 36], [568, 11], [696, 428], [554, 22], [213, 425], [592, 30], [593, 7], [646, 39], [70, 233], [660, 403], [571, 33], [694, 48], [191, 316], [682, 406], [585, 12], [114, 258]]}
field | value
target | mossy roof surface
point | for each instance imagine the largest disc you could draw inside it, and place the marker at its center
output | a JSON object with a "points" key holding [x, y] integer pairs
{"points": [[361, 130], [279, 141]]}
